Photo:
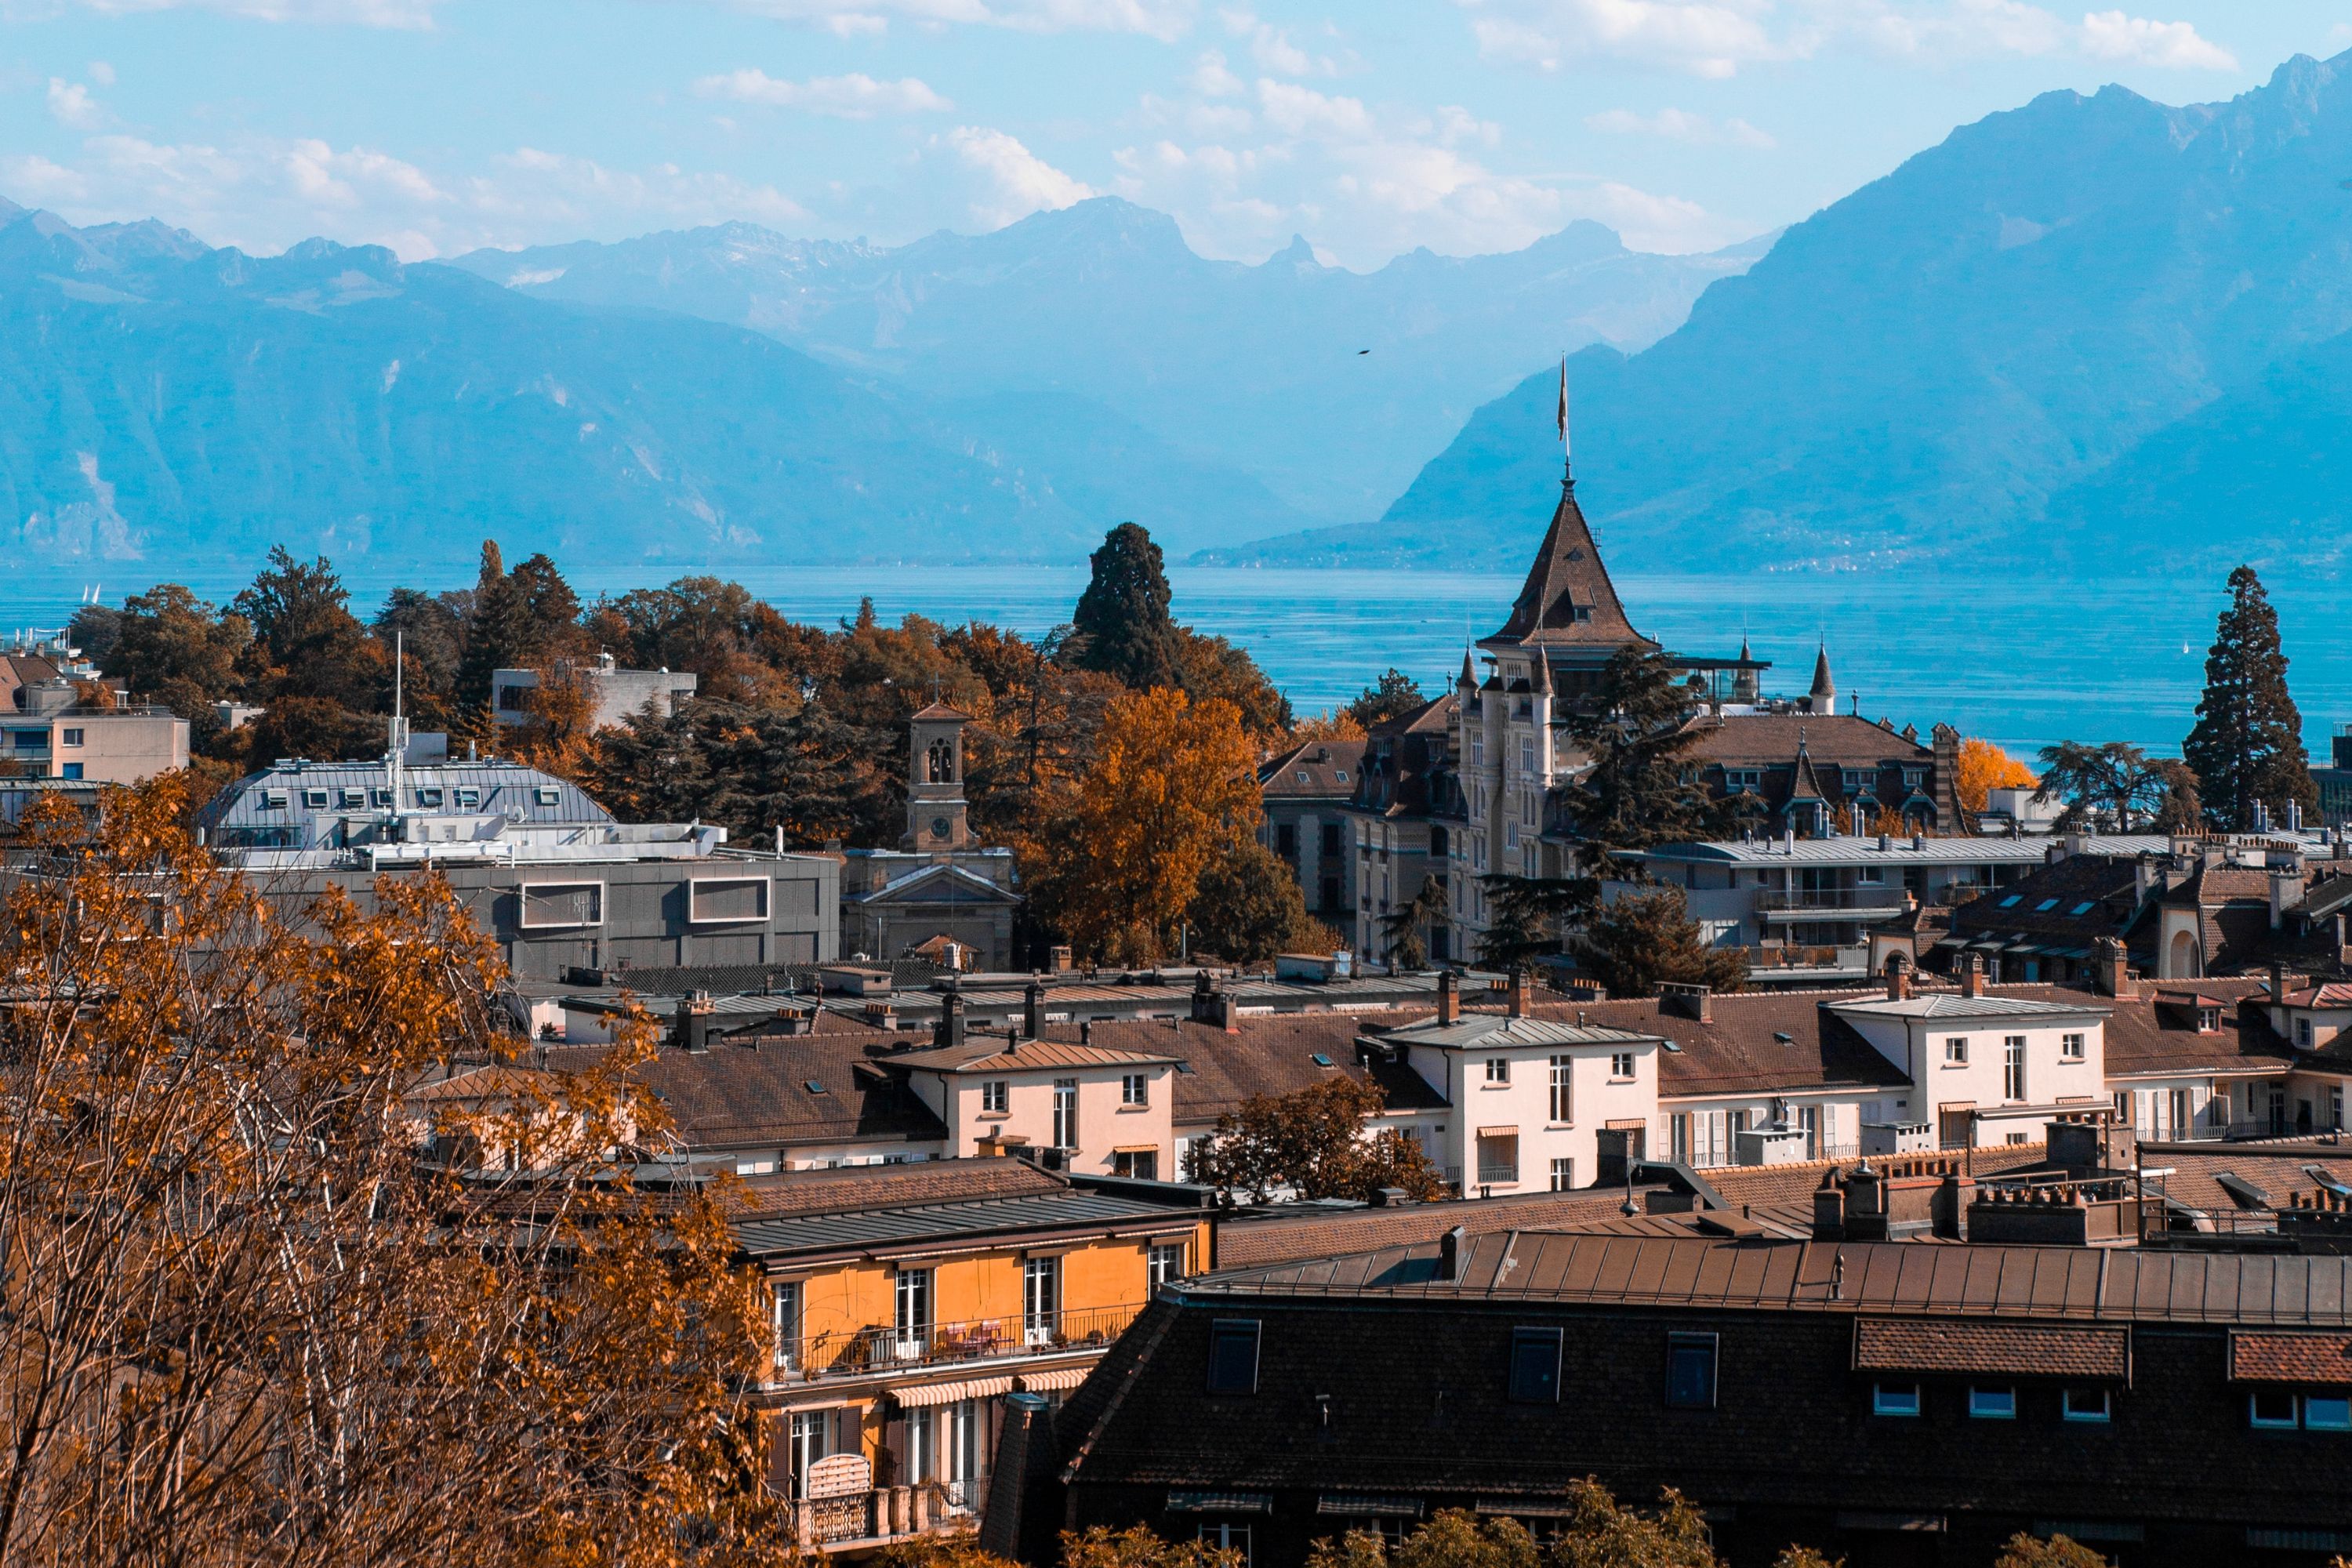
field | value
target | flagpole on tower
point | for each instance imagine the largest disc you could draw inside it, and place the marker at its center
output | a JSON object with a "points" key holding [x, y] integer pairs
{"points": [[1567, 464]]}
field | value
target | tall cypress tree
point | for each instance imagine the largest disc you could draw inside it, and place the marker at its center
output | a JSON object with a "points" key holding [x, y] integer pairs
{"points": [[2248, 743], [1123, 615]]}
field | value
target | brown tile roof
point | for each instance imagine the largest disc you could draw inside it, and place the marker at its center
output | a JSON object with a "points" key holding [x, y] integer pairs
{"points": [[1831, 739], [731, 1098], [2108, 883], [2157, 1032], [2279, 1168], [2262, 1356], [859, 1188], [2022, 1349], [937, 710], [993, 1053], [1332, 768], [1567, 574], [1740, 1049]]}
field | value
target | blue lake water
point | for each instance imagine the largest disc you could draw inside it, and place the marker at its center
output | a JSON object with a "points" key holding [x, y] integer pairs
{"points": [[2022, 659]]}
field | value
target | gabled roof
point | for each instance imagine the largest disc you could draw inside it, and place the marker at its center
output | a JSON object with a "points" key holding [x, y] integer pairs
{"points": [[1833, 740], [996, 1054], [941, 711], [1952, 1005], [1802, 784], [957, 885], [1568, 573], [1499, 1031], [1313, 769], [1264, 1053]]}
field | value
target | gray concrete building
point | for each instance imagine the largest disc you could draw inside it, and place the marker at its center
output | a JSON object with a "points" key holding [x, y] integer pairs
{"points": [[615, 693], [942, 886]]}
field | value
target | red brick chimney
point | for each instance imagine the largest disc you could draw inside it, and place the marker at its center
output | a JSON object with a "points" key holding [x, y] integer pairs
{"points": [[1518, 991], [2110, 974], [1898, 977], [1972, 975], [1449, 997]]}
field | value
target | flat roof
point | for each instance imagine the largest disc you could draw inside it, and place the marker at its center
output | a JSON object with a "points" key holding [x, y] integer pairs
{"points": [[926, 1222]]}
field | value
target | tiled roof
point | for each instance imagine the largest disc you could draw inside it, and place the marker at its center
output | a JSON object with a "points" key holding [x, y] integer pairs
{"points": [[729, 1098], [2108, 884], [1568, 575], [2004, 1003], [2157, 1033], [1831, 739], [996, 1054], [2023, 1350], [1761, 1042], [1267, 1055], [1493, 1031], [859, 1188], [1331, 769], [2280, 1170], [2259, 1356]]}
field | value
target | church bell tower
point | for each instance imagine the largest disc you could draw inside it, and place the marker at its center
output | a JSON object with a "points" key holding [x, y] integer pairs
{"points": [[935, 802]]}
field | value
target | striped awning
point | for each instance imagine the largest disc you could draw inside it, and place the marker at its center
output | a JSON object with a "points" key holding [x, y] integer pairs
{"points": [[1219, 1502], [926, 1395], [1369, 1505]]}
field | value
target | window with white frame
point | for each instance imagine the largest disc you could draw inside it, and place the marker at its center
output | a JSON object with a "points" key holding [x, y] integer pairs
{"points": [[1956, 1051], [1498, 1069], [1166, 1264], [1065, 1113], [995, 1097], [2013, 1067], [68, 737], [1563, 1175], [1621, 1064], [2073, 1048], [1498, 1158], [1563, 1087], [1134, 1089]]}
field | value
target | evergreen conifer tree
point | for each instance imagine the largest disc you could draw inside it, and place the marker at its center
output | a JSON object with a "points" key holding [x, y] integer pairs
{"points": [[1123, 615], [2247, 745]]}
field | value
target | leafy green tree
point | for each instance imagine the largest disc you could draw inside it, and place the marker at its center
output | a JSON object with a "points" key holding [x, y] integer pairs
{"points": [[1644, 938], [1641, 788], [317, 729], [173, 648], [94, 629], [2247, 745], [1794, 1556], [520, 619], [1122, 621], [2116, 786], [1313, 1141], [1395, 692], [308, 642], [1527, 917], [2024, 1550], [1247, 907], [751, 770], [1138, 1547], [1210, 667], [1400, 928]]}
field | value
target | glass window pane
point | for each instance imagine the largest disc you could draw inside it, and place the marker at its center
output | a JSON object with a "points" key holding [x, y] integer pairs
{"points": [[1690, 1371]]}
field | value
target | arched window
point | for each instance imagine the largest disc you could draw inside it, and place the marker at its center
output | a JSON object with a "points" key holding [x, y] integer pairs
{"points": [[942, 762]]}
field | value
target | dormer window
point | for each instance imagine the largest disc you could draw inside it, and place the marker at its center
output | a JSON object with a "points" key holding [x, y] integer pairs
{"points": [[1340, 774], [469, 798], [429, 797], [2209, 1020], [315, 799], [2302, 1033]]}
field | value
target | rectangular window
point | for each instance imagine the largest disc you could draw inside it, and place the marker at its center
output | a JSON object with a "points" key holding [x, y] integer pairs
{"points": [[1527, 755], [1894, 1399], [1041, 1299], [1498, 1069], [1535, 1366], [2072, 1047], [469, 799], [2085, 1404], [1690, 1372], [69, 770], [812, 1440], [995, 1097], [1227, 1537], [1065, 1113], [1142, 1165], [1498, 1158], [2326, 1412], [784, 1317], [2013, 1067], [1233, 1355], [1134, 1089], [353, 799], [1563, 1084], [546, 794], [1621, 1064], [1166, 1265], [1956, 1051], [2271, 1407], [1992, 1404], [70, 737], [315, 799], [922, 1453], [2302, 1026], [914, 1293], [429, 797], [1563, 1175]]}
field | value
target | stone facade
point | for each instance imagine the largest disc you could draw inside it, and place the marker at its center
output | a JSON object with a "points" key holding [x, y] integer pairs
{"points": [[940, 882]]}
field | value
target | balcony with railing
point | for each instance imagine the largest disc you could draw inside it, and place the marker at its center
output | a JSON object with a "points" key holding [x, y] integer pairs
{"points": [[1858, 902], [880, 1515], [887, 1348]]}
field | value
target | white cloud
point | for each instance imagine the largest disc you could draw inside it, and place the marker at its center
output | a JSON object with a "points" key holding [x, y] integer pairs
{"points": [[853, 96], [1163, 19], [102, 73], [1679, 125], [70, 105], [1272, 48], [1210, 79], [2136, 40], [1298, 111], [1015, 181], [354, 13], [264, 195], [1717, 37]]}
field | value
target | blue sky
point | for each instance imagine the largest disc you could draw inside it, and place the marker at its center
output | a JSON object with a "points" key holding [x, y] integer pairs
{"points": [[1466, 126]]}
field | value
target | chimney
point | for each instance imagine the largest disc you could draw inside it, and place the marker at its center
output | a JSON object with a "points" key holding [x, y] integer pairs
{"points": [[1898, 977], [949, 1031], [2286, 890], [2281, 981], [694, 1014], [2110, 974], [1972, 975], [1449, 1254], [1032, 1017], [1829, 1209], [1695, 1002], [1519, 1006], [1213, 1006], [1449, 997], [1086, 1031]]}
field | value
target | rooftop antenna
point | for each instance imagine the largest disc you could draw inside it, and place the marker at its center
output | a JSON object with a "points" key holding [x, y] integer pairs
{"points": [[396, 753], [1567, 464]]}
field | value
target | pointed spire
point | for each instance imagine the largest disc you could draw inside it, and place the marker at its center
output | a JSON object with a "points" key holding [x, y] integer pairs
{"points": [[1824, 697], [1541, 683], [1468, 679], [1568, 597], [1567, 463]]}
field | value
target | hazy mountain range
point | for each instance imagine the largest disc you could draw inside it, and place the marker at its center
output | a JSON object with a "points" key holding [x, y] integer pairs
{"points": [[159, 397], [2094, 327]]}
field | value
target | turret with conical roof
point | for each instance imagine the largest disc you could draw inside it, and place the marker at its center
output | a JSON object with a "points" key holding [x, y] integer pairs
{"points": [[1567, 601], [1822, 699]]}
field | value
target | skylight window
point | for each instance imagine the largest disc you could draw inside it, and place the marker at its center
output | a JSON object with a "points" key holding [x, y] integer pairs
{"points": [[2011, 902], [1184, 1068], [2046, 906], [2083, 908], [813, 1086], [1319, 1059]]}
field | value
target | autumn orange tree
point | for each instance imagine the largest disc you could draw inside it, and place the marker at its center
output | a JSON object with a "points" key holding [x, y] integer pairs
{"points": [[254, 1316], [1984, 767], [1172, 789]]}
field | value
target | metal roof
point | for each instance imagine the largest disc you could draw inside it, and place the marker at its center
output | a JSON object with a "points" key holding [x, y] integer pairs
{"points": [[500, 789], [1489, 1030], [897, 1227], [1862, 850], [1853, 1276]]}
